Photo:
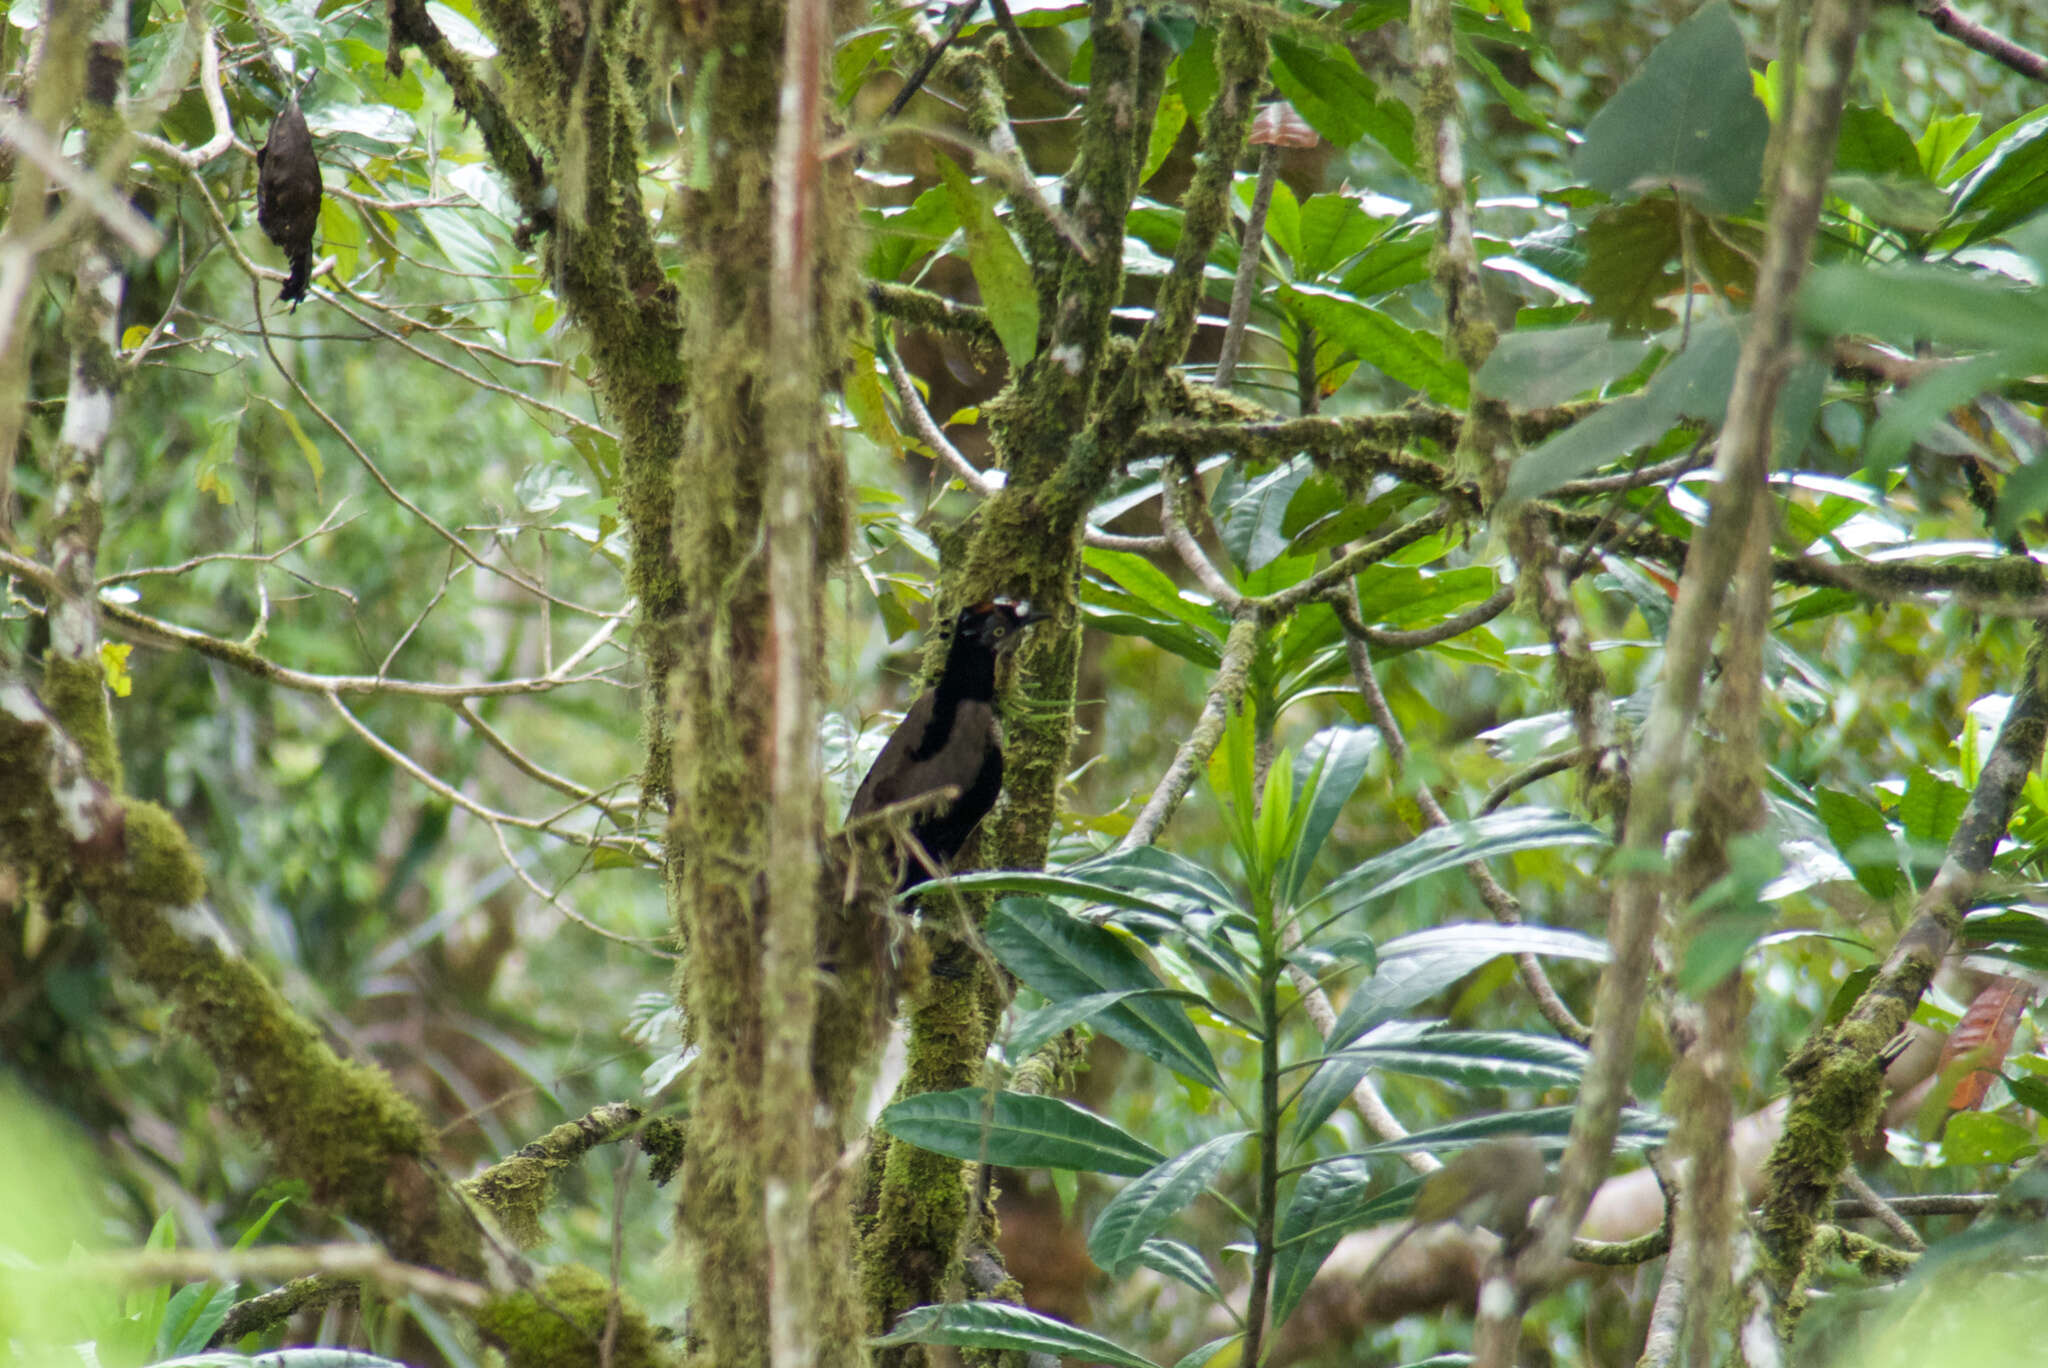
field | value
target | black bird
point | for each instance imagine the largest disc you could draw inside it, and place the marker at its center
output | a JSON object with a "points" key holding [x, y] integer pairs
{"points": [[288, 196], [949, 739]]}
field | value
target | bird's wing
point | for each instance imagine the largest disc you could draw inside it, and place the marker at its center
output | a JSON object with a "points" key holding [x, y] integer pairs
{"points": [[886, 780]]}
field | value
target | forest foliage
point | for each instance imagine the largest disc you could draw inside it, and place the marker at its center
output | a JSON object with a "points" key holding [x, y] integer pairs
{"points": [[1537, 504]]}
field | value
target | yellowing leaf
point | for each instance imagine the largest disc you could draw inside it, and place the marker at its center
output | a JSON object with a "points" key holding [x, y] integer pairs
{"points": [[210, 482], [114, 664]]}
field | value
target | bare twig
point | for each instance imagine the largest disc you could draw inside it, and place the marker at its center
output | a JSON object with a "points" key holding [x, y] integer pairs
{"points": [[1971, 34]]}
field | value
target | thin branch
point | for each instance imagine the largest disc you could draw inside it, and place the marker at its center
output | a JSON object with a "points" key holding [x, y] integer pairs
{"points": [[1499, 902], [1250, 253], [1018, 43], [1870, 1201], [1190, 551], [1232, 674], [1344, 600], [1971, 34]]}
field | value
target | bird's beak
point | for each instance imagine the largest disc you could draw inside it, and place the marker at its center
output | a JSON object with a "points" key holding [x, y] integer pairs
{"points": [[1026, 614]]}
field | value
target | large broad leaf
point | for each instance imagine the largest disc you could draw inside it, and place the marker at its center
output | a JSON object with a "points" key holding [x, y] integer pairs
{"points": [[1327, 88], [1017, 1130], [1064, 957], [1531, 369], [1863, 838], [1249, 512], [1152, 1199], [1000, 271], [1334, 228], [1460, 843], [1690, 119], [1399, 352], [1415, 968], [1330, 1199], [1001, 1325], [1694, 384]]}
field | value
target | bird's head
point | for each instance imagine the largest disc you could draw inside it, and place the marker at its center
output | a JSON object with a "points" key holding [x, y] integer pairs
{"points": [[996, 624]]}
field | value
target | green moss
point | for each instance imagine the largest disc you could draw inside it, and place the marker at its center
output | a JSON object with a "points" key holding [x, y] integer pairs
{"points": [[75, 693], [564, 1323]]}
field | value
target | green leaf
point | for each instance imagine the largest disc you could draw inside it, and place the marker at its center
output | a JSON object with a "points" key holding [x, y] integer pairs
{"points": [[1331, 764], [1547, 1126], [2010, 185], [1693, 384], [1473, 1059], [1931, 808], [1167, 123], [1007, 291], [901, 236], [1152, 1199], [1330, 1199], [1863, 839], [1531, 369], [1415, 359], [1415, 968], [1333, 230], [1393, 263], [1064, 957], [1148, 584], [196, 1310], [1872, 143], [1033, 1029], [1204, 1355], [1690, 119], [284, 1358], [1326, 87], [1250, 513], [1928, 401], [1906, 305], [1001, 1325], [1449, 847], [1161, 873], [1984, 1138], [1181, 1263], [1017, 1130]]}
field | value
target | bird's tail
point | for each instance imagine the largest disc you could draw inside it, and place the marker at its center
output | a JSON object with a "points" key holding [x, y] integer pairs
{"points": [[295, 284]]}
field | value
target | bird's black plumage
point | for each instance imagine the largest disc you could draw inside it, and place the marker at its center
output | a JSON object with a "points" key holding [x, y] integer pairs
{"points": [[949, 740], [288, 197]]}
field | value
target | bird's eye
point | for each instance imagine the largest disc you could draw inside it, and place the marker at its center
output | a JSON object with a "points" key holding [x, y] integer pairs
{"points": [[1001, 630]]}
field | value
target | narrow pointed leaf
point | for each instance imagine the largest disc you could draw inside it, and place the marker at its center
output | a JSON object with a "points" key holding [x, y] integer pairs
{"points": [[1417, 967], [1152, 1199], [1330, 767], [1460, 843], [1065, 957], [1181, 1262], [1001, 1325], [1330, 1199], [1017, 1130]]}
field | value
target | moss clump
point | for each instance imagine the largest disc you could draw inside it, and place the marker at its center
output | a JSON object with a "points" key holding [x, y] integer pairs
{"points": [[76, 695], [563, 1324]]}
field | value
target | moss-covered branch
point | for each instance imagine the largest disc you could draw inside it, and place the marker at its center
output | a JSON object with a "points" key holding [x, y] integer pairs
{"points": [[1837, 1081]]}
